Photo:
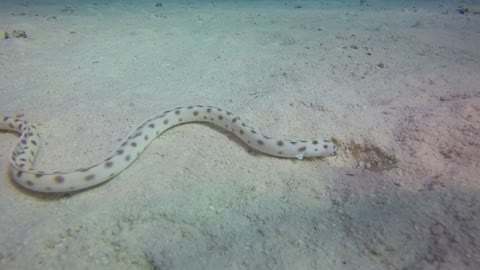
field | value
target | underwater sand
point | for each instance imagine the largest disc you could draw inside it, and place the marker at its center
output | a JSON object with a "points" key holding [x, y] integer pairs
{"points": [[396, 86]]}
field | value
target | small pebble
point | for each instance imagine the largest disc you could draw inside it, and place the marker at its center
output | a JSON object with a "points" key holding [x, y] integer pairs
{"points": [[19, 34]]}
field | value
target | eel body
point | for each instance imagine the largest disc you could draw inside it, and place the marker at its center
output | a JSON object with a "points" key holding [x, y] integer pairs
{"points": [[23, 154]]}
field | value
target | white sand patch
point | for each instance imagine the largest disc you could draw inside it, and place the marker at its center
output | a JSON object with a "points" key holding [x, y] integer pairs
{"points": [[395, 86]]}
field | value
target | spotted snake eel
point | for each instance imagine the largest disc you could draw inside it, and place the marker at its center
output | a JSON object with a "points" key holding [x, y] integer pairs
{"points": [[24, 152]]}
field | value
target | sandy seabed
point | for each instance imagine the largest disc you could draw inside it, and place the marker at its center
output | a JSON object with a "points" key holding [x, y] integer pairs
{"points": [[396, 86]]}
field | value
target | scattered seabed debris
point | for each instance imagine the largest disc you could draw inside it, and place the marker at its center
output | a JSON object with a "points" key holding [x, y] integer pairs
{"points": [[15, 34]]}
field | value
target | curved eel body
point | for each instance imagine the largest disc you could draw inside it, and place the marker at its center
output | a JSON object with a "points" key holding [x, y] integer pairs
{"points": [[24, 152]]}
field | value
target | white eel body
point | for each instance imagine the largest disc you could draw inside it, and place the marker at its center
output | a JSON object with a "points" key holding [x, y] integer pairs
{"points": [[24, 152]]}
